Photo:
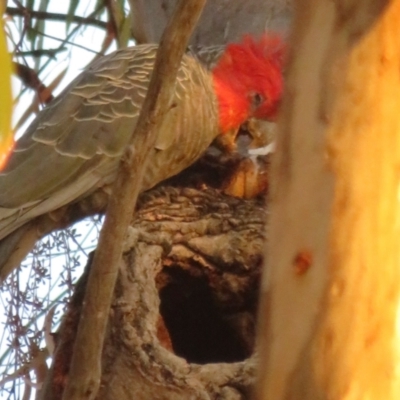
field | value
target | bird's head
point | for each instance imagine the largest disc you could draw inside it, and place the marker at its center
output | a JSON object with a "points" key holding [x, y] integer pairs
{"points": [[248, 80]]}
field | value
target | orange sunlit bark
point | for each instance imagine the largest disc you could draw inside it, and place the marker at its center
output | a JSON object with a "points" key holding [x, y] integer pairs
{"points": [[333, 331]]}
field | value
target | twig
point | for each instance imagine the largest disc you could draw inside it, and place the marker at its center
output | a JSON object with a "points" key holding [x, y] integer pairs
{"points": [[64, 41], [85, 372], [40, 52], [30, 79], [12, 11]]}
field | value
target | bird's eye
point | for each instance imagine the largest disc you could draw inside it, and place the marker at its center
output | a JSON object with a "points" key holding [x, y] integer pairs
{"points": [[256, 99]]}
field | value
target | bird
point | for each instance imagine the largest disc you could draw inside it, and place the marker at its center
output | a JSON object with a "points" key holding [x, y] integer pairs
{"points": [[74, 145]]}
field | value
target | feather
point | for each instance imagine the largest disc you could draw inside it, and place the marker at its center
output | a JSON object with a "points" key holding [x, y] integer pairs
{"points": [[74, 145]]}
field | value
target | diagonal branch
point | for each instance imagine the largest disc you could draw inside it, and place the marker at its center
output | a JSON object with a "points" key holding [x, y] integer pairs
{"points": [[85, 371]]}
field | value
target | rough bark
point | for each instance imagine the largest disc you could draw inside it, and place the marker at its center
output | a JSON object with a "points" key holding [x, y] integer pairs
{"points": [[183, 315], [331, 296], [222, 21]]}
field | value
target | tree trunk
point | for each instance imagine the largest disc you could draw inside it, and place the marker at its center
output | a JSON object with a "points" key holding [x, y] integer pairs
{"points": [[183, 316], [330, 299], [222, 21]]}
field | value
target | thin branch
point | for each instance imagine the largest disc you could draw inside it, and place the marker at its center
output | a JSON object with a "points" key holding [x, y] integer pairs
{"points": [[52, 53], [12, 11], [64, 41], [30, 79], [85, 372]]}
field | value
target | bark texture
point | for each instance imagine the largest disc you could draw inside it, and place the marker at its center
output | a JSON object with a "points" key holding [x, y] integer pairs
{"points": [[183, 316], [222, 21], [331, 295]]}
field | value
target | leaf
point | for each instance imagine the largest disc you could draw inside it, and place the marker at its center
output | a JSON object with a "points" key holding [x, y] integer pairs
{"points": [[56, 81], [122, 23], [40, 27], [6, 134], [125, 32], [73, 5], [31, 34]]}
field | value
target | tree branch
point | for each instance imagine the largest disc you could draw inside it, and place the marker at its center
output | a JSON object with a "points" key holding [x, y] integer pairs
{"points": [[12, 11], [85, 372]]}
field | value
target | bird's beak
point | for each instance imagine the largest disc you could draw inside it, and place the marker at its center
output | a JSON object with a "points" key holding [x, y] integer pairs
{"points": [[227, 141]]}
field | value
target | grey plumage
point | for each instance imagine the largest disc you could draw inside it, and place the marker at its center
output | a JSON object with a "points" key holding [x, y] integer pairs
{"points": [[74, 145]]}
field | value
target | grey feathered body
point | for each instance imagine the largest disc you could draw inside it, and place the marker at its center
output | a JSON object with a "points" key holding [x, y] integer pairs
{"points": [[74, 145]]}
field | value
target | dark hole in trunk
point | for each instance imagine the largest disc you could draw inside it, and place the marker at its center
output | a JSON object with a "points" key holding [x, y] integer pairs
{"points": [[197, 327]]}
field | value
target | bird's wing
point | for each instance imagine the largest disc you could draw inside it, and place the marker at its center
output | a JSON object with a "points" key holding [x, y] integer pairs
{"points": [[74, 145], [87, 125]]}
